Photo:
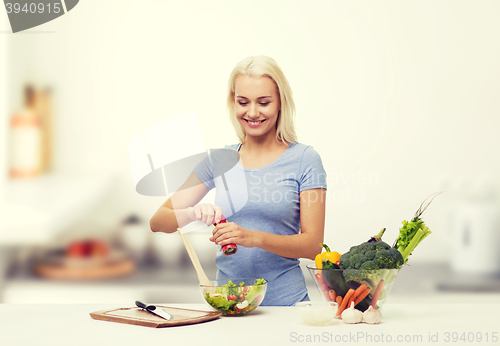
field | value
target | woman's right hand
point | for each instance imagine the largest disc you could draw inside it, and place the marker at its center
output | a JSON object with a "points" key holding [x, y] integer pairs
{"points": [[206, 213]]}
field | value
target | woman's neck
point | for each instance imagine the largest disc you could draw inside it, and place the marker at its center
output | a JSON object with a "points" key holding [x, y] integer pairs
{"points": [[256, 145], [259, 153]]}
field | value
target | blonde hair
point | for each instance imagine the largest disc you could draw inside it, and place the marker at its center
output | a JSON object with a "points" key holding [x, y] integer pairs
{"points": [[263, 66]]}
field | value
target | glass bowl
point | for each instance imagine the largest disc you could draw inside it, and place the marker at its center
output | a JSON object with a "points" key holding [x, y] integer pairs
{"points": [[332, 283], [316, 313], [235, 297]]}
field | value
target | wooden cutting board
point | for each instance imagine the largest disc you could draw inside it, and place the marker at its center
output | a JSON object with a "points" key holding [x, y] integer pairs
{"points": [[139, 317], [59, 266], [68, 271]]}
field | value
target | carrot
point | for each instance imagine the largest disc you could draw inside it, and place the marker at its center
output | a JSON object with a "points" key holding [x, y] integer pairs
{"points": [[332, 295], [356, 293], [345, 300], [362, 296], [377, 293], [339, 300]]}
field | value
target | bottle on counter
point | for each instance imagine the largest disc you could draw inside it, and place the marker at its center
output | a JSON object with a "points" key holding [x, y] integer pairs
{"points": [[44, 110], [25, 139]]}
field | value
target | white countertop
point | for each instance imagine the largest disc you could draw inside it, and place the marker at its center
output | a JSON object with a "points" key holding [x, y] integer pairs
{"points": [[65, 324]]}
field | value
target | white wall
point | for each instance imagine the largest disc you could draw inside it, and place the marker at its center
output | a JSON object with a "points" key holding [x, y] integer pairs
{"points": [[4, 87], [399, 92]]}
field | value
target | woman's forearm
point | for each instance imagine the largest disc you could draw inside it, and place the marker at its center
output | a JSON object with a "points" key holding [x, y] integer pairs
{"points": [[168, 220], [174, 213], [303, 245]]}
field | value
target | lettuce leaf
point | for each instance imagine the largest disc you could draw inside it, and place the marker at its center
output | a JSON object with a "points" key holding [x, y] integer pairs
{"points": [[219, 302]]}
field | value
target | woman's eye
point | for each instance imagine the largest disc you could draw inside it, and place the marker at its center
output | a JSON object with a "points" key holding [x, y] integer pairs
{"points": [[263, 104]]}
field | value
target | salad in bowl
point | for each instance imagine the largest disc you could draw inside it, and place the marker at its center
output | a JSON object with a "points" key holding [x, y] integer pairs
{"points": [[234, 297]]}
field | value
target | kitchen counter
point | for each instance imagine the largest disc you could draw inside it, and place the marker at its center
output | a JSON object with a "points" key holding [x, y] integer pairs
{"points": [[420, 283], [66, 324]]}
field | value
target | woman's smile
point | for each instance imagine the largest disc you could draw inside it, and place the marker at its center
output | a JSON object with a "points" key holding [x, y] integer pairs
{"points": [[254, 123]]}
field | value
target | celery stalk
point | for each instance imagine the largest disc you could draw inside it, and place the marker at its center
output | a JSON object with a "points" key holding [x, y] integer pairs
{"points": [[412, 233], [417, 238]]}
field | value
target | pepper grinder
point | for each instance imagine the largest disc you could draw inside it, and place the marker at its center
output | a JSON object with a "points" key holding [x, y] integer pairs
{"points": [[228, 249]]}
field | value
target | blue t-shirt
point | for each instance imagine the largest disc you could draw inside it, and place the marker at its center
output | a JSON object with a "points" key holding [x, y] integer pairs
{"points": [[265, 199]]}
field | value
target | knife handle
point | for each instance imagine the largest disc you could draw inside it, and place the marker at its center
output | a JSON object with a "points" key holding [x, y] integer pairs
{"points": [[141, 305]]}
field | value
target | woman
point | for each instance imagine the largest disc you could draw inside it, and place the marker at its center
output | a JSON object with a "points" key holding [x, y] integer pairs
{"points": [[283, 189]]}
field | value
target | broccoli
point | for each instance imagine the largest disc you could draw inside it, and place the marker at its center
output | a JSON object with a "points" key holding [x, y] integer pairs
{"points": [[371, 256], [365, 262]]}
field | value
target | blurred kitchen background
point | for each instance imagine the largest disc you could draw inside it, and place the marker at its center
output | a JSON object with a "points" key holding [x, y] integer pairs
{"points": [[399, 98]]}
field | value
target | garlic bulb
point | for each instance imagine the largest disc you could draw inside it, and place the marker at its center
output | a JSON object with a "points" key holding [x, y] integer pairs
{"points": [[352, 315], [372, 316]]}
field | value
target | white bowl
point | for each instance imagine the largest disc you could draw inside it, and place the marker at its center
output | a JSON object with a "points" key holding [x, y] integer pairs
{"points": [[316, 312]]}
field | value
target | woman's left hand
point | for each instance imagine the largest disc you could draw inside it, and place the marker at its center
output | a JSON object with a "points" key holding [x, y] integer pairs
{"points": [[231, 233]]}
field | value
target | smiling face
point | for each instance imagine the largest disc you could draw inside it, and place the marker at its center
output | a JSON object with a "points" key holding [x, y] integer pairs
{"points": [[257, 105]]}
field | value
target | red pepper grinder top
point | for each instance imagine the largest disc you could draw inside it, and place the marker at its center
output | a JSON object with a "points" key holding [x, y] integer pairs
{"points": [[228, 249]]}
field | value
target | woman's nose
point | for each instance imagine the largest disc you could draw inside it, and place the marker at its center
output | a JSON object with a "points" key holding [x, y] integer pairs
{"points": [[253, 111]]}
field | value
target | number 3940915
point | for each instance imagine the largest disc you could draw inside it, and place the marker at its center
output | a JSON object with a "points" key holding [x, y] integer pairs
{"points": [[33, 7], [471, 337]]}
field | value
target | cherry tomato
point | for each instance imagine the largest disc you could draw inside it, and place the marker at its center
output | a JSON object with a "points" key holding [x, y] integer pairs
{"points": [[76, 249], [319, 279]]}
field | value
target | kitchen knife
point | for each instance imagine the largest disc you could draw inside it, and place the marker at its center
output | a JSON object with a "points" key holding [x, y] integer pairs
{"points": [[154, 310]]}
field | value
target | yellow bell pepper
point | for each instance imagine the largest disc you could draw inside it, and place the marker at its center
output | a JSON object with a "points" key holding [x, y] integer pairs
{"points": [[332, 256]]}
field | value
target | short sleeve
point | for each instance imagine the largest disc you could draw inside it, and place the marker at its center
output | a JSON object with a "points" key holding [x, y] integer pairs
{"points": [[312, 173], [216, 163], [204, 172]]}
